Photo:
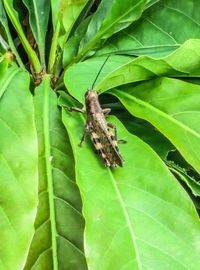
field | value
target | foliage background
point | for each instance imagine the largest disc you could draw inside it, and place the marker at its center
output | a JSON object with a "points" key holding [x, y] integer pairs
{"points": [[60, 207]]}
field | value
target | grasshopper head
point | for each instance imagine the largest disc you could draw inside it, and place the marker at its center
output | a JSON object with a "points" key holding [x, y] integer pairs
{"points": [[91, 94]]}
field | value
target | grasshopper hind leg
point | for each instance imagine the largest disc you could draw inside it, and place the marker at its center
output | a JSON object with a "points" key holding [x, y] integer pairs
{"points": [[110, 125], [99, 148]]}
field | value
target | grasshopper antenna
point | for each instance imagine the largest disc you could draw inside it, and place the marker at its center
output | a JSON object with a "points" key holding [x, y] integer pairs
{"points": [[100, 71]]}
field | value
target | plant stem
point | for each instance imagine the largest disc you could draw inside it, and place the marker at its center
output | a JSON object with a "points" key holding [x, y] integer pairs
{"points": [[14, 50], [31, 53], [53, 50]]}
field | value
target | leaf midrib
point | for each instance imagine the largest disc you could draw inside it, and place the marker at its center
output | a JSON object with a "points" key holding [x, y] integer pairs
{"points": [[163, 114], [49, 172], [126, 216], [37, 21], [120, 17], [8, 80]]}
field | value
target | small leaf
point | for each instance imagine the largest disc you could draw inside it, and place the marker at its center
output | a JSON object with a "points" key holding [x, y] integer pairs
{"points": [[3, 67], [72, 45], [14, 18], [38, 17], [69, 12], [54, 11], [4, 23], [18, 169], [183, 176]]}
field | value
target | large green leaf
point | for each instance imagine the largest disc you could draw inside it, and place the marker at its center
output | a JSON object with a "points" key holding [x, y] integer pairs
{"points": [[173, 107], [110, 17], [58, 239], [18, 169], [86, 72], [144, 68], [38, 17], [120, 70], [157, 33], [134, 215]]}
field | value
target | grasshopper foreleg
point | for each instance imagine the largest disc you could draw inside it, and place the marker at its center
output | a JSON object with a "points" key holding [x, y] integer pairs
{"points": [[74, 109], [106, 111]]}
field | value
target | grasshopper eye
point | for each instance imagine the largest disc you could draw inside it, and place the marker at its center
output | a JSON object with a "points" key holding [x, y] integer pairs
{"points": [[87, 93]]}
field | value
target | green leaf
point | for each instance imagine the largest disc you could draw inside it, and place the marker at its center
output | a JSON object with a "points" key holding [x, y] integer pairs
{"points": [[58, 239], [110, 17], [72, 45], [120, 70], [183, 176], [147, 133], [173, 107], [4, 23], [3, 45], [68, 12], [14, 17], [38, 17], [145, 68], [134, 215], [4, 61], [54, 12], [152, 36], [18, 169], [86, 72]]}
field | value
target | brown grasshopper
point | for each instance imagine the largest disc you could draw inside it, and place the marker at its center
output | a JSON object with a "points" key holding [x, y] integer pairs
{"points": [[104, 140]]}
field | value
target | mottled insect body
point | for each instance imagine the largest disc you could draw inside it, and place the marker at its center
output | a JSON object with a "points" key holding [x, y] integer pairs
{"points": [[103, 139], [105, 142]]}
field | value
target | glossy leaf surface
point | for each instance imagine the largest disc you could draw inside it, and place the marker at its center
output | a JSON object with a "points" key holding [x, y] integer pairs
{"points": [[172, 106], [18, 169], [110, 17], [133, 217], [58, 239], [120, 70], [38, 18], [14, 18], [154, 36]]}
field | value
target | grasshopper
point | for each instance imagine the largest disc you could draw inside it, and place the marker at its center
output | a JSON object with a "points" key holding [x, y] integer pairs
{"points": [[105, 142]]}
